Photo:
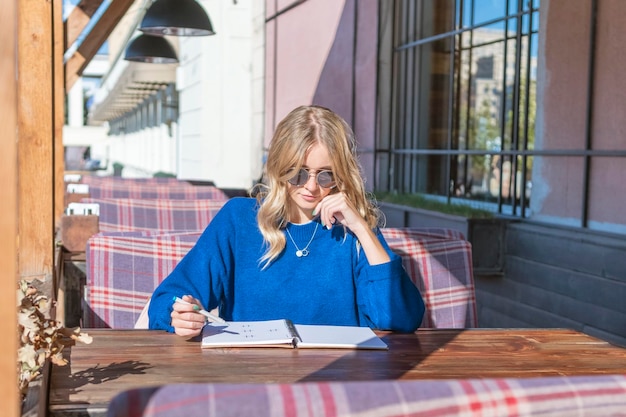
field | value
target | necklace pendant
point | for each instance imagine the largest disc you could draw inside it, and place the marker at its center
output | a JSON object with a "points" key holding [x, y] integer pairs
{"points": [[302, 252]]}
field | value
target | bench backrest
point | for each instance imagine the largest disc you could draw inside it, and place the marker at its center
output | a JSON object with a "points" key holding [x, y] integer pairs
{"points": [[97, 180], [121, 214], [123, 270], [152, 191], [590, 396], [439, 261]]}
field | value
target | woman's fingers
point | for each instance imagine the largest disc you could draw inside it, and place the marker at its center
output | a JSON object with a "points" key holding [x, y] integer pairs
{"points": [[335, 209], [187, 324], [189, 333], [185, 320]]}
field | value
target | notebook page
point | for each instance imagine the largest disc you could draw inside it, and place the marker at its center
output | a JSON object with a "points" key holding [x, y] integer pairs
{"points": [[247, 333], [347, 337]]}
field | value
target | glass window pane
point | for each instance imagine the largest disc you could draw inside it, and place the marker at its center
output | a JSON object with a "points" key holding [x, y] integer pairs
{"points": [[472, 92], [434, 17], [481, 11]]}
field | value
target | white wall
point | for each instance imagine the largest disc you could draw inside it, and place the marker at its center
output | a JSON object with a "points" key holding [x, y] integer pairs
{"points": [[220, 83], [146, 152]]}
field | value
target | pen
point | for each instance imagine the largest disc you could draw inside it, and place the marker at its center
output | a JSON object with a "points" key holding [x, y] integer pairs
{"points": [[205, 313]]}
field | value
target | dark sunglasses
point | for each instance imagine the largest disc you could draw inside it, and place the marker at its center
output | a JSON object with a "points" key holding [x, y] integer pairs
{"points": [[324, 178]]}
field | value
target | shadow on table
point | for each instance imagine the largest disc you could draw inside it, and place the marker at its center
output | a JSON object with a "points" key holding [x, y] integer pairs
{"points": [[97, 375], [406, 352]]}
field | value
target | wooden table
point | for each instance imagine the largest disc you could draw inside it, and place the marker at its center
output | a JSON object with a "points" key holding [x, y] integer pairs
{"points": [[121, 359]]}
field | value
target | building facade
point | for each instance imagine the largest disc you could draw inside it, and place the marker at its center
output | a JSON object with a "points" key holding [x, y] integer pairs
{"points": [[510, 106]]}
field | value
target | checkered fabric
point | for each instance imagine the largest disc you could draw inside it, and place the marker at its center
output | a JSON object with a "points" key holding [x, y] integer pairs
{"points": [[422, 233], [589, 396], [124, 268], [95, 180], [439, 261], [150, 214], [154, 191]]}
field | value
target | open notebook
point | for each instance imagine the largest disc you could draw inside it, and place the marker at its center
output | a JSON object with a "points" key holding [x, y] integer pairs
{"points": [[283, 333]]}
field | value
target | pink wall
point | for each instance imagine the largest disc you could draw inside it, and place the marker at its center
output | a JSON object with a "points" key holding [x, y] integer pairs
{"points": [[558, 191], [313, 58], [561, 113], [300, 41], [608, 192], [365, 80]]}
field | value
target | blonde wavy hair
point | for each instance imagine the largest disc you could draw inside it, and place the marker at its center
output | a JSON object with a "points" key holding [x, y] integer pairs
{"points": [[302, 128]]}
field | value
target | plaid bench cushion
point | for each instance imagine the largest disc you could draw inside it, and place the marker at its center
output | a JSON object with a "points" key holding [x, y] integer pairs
{"points": [[439, 261], [403, 233], [124, 268], [590, 396], [96, 180], [120, 214], [154, 191]]}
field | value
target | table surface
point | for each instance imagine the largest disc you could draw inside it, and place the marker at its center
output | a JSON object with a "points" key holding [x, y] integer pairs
{"points": [[122, 359]]}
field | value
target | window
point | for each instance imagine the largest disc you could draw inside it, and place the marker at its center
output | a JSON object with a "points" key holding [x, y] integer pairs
{"points": [[460, 88]]}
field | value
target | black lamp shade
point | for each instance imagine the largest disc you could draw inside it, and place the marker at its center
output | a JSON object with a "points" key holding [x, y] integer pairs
{"points": [[176, 17], [151, 49]]}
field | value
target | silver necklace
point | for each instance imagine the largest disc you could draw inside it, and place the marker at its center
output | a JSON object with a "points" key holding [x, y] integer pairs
{"points": [[304, 251]]}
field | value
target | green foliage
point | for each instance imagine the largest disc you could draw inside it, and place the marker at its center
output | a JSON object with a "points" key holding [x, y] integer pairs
{"points": [[422, 202], [161, 174]]}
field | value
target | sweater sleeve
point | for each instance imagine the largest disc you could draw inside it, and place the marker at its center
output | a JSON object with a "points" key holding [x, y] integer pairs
{"points": [[201, 273], [386, 296]]}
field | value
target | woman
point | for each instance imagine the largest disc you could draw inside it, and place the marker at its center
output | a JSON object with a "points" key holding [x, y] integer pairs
{"points": [[306, 249]]}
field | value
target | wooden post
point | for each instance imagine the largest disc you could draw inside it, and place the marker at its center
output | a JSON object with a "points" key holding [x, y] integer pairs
{"points": [[8, 208], [59, 114], [35, 142], [93, 41]]}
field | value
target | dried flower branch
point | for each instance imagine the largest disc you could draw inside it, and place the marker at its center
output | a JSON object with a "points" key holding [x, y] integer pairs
{"points": [[40, 338]]}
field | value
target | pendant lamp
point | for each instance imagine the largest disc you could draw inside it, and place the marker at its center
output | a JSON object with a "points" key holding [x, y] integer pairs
{"points": [[176, 17], [151, 49]]}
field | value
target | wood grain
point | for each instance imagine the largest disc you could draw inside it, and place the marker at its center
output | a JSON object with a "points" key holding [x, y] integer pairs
{"points": [[123, 359], [98, 34], [35, 127], [8, 207], [59, 113]]}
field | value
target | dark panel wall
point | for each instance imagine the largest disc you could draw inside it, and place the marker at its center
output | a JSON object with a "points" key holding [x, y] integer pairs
{"points": [[558, 278]]}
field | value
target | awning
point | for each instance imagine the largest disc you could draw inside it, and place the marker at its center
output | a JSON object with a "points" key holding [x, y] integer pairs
{"points": [[127, 85]]}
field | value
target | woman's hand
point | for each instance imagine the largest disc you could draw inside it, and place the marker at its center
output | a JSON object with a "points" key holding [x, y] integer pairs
{"points": [[186, 320], [337, 209]]}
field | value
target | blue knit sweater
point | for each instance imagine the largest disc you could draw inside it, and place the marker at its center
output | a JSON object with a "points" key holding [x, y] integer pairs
{"points": [[334, 284]]}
